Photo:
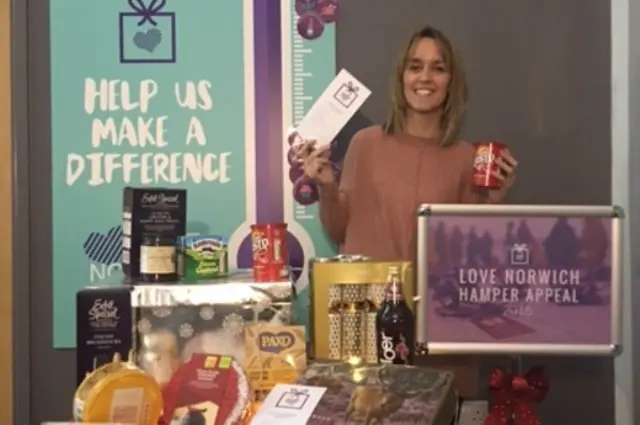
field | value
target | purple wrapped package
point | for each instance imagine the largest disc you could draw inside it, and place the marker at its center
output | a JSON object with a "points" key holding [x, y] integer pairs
{"points": [[389, 394]]}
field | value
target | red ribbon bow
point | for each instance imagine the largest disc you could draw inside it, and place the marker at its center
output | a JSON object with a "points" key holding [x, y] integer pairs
{"points": [[516, 395]]}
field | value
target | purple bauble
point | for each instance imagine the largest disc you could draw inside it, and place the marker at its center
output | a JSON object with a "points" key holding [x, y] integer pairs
{"points": [[337, 171], [328, 10], [305, 192], [306, 6], [294, 139], [310, 26], [295, 173], [292, 158]]}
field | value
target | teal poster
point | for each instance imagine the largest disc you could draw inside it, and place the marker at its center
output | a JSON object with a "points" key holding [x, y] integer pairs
{"points": [[196, 94]]}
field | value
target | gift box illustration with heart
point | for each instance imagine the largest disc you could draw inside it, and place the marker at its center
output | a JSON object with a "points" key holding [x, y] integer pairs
{"points": [[293, 399], [347, 94], [147, 33]]}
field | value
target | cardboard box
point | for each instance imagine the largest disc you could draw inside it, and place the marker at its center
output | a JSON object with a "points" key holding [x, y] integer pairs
{"points": [[203, 257], [274, 354]]}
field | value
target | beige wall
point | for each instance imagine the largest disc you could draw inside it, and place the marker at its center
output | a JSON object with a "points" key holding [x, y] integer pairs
{"points": [[6, 281]]}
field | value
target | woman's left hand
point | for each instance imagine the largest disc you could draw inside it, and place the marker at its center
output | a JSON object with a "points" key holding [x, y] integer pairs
{"points": [[506, 175]]}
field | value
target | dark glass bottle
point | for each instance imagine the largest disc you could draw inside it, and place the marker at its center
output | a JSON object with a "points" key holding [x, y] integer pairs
{"points": [[395, 324], [158, 259]]}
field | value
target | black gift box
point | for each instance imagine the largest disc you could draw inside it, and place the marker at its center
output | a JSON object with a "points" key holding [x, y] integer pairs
{"points": [[158, 211], [104, 327]]}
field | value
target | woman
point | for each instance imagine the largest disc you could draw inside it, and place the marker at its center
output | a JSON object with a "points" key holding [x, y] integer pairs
{"points": [[415, 158]]}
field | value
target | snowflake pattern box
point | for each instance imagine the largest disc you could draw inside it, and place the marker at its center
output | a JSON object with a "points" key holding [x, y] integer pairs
{"points": [[176, 321], [391, 395]]}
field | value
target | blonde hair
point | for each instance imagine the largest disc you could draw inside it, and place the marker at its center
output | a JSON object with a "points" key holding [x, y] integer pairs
{"points": [[457, 93]]}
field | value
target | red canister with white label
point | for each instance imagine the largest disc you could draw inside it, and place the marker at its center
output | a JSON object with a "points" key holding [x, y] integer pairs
{"points": [[270, 256], [484, 164]]}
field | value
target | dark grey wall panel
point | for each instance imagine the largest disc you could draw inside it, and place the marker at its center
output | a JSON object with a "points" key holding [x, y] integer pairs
{"points": [[52, 371], [21, 257], [539, 75]]}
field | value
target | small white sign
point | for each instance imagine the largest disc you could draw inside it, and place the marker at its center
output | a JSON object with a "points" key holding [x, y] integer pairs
{"points": [[289, 404], [333, 109]]}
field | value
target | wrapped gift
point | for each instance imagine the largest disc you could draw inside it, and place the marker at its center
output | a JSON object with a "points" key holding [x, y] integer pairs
{"points": [[175, 321], [103, 327], [388, 394], [275, 354]]}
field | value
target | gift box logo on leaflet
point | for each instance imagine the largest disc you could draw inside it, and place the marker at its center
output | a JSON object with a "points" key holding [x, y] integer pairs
{"points": [[293, 399], [147, 33], [347, 94]]}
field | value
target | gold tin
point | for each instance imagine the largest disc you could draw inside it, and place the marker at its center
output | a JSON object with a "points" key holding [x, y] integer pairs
{"points": [[118, 392], [345, 295]]}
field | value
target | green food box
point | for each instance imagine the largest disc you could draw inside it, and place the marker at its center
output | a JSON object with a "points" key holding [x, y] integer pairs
{"points": [[203, 257]]}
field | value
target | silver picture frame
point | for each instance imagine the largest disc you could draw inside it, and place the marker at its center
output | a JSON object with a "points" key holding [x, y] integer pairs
{"points": [[427, 212]]}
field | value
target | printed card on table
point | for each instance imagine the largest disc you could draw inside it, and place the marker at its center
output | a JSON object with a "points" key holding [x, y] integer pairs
{"points": [[289, 404], [344, 96]]}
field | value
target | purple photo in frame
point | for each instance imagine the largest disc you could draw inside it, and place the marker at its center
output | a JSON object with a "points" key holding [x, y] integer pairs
{"points": [[502, 279]]}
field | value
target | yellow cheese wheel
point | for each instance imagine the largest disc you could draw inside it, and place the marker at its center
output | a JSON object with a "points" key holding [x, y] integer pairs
{"points": [[118, 392]]}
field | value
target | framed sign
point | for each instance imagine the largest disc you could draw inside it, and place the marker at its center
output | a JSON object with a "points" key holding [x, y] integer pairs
{"points": [[519, 279]]}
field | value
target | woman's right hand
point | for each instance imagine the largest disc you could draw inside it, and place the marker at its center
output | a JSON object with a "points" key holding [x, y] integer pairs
{"points": [[315, 162]]}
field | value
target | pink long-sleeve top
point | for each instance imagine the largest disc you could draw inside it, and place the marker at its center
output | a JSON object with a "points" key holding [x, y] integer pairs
{"points": [[385, 178]]}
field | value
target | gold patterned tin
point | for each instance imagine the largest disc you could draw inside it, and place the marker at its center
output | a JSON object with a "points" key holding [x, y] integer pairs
{"points": [[345, 294]]}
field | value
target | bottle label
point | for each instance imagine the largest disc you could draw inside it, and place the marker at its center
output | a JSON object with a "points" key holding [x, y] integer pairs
{"points": [[393, 291], [393, 349], [388, 351], [157, 260]]}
